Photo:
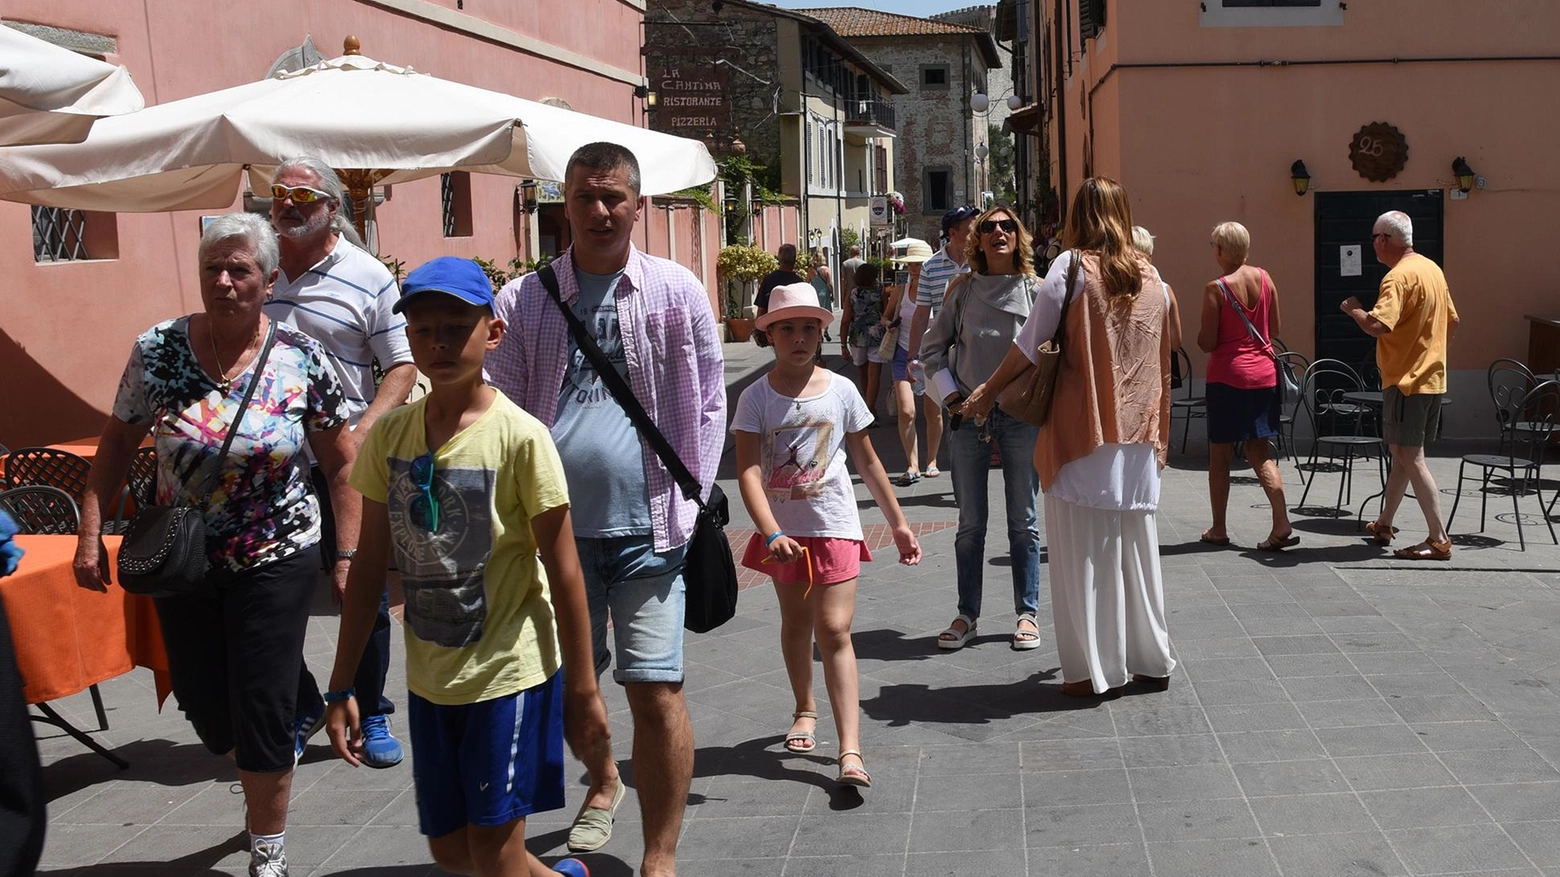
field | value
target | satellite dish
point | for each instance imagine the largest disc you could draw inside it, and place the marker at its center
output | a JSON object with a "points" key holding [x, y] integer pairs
{"points": [[297, 58]]}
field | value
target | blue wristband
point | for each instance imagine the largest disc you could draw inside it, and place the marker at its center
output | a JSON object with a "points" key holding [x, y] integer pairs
{"points": [[336, 696], [772, 537]]}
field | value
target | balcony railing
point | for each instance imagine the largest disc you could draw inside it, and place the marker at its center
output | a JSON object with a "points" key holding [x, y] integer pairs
{"points": [[870, 112]]}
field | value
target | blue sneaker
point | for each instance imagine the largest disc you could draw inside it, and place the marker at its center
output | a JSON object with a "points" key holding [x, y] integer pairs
{"points": [[571, 867], [379, 748], [306, 725]]}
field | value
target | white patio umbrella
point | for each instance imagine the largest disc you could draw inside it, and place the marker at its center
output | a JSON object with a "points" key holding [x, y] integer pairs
{"points": [[375, 123], [53, 95]]}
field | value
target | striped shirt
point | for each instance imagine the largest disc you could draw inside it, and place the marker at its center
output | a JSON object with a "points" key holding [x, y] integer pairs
{"points": [[935, 275], [675, 367], [344, 303]]}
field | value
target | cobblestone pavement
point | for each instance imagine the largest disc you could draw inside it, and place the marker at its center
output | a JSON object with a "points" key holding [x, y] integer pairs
{"points": [[1336, 712]]}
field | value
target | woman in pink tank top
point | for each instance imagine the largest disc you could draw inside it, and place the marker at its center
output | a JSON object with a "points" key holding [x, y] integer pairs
{"points": [[1239, 320]]}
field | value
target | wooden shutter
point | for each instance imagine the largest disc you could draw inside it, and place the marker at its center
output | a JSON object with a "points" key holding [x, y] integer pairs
{"points": [[1091, 18]]}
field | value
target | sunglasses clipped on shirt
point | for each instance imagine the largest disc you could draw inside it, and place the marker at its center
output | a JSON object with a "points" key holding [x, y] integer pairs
{"points": [[298, 194], [1007, 225], [425, 506]]}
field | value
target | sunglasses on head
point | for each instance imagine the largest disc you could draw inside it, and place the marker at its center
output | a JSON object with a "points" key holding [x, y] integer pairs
{"points": [[425, 506], [1007, 225], [298, 194]]}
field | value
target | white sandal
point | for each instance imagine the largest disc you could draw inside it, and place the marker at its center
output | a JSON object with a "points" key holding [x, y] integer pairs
{"points": [[952, 638], [1024, 645]]}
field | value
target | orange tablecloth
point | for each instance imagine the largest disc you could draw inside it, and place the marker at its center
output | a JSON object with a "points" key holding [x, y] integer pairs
{"points": [[69, 638]]}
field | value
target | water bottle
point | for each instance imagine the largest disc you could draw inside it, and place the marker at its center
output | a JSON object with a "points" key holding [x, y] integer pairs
{"points": [[917, 377]]}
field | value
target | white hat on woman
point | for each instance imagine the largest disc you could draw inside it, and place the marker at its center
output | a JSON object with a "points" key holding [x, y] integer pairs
{"points": [[915, 251], [792, 302]]}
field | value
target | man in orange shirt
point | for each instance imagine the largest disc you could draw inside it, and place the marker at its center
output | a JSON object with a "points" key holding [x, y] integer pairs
{"points": [[1413, 319]]}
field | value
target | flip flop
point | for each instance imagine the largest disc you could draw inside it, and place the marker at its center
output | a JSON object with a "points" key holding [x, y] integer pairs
{"points": [[1221, 542], [952, 638], [908, 479], [931, 472], [1426, 550], [802, 742], [1270, 544]]}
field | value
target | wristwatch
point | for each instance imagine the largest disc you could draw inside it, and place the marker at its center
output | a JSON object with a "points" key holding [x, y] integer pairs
{"points": [[347, 554]]}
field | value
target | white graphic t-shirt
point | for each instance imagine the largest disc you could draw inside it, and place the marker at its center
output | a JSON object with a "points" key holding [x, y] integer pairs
{"points": [[802, 455]]}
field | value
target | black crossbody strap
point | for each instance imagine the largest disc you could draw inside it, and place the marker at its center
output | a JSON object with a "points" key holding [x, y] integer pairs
{"points": [[243, 407], [623, 393]]}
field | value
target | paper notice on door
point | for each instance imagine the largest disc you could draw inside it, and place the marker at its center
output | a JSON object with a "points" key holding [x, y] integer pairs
{"points": [[1349, 261]]}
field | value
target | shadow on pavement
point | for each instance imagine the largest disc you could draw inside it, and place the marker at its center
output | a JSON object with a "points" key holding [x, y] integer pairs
{"points": [[151, 761], [904, 704], [755, 758], [194, 864], [885, 644]]}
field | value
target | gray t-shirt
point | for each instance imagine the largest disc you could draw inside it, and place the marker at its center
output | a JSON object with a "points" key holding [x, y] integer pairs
{"points": [[598, 444]]}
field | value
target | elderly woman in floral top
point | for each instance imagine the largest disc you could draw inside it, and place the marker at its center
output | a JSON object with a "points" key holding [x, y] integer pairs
{"points": [[234, 650]]}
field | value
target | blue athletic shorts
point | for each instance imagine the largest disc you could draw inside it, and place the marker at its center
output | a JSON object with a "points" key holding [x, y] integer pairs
{"points": [[487, 763]]}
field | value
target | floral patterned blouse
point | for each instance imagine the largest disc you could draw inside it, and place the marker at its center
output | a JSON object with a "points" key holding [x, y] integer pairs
{"points": [[866, 317], [261, 508]]}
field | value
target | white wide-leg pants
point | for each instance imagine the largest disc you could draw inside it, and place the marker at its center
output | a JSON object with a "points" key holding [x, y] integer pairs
{"points": [[1107, 594]]}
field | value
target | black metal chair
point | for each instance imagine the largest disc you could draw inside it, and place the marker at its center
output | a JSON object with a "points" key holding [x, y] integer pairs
{"points": [[143, 477], [1287, 415], [1337, 425], [1521, 458], [1509, 382], [49, 467], [39, 508], [1188, 406]]}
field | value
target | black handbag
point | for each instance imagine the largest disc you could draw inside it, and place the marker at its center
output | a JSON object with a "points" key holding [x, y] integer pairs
{"points": [[709, 572], [163, 553]]}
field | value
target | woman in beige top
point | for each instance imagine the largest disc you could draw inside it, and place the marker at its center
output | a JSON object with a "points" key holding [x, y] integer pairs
{"points": [[1100, 453]]}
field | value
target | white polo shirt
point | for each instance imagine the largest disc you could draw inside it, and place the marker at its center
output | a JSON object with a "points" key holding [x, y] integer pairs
{"points": [[344, 303]]}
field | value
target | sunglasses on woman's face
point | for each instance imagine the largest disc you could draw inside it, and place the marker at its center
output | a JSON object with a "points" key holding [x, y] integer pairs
{"points": [[1007, 225], [298, 194], [425, 506]]}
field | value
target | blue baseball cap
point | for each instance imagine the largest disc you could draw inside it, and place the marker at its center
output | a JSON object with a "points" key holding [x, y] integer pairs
{"points": [[957, 215], [451, 275]]}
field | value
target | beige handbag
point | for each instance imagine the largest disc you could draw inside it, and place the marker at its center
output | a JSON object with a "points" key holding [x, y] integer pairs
{"points": [[1028, 396], [886, 347]]}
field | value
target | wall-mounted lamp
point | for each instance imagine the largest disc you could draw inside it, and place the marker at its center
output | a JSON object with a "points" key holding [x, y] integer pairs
{"points": [[1015, 102], [979, 102], [758, 207], [731, 203], [644, 93], [981, 151], [528, 195], [1463, 173], [1300, 177]]}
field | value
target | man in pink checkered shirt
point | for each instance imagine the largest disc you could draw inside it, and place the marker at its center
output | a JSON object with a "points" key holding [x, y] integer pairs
{"points": [[652, 319]]}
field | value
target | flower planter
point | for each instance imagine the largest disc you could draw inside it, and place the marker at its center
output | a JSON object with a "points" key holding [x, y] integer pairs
{"points": [[738, 329]]}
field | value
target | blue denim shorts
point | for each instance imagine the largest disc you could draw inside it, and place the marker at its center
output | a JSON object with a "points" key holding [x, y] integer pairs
{"points": [[644, 594]]}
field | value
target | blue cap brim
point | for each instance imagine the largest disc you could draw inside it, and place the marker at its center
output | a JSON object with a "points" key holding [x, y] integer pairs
{"points": [[483, 302]]}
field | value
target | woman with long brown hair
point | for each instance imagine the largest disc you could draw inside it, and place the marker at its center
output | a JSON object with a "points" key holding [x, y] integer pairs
{"points": [[1100, 453], [981, 315]]}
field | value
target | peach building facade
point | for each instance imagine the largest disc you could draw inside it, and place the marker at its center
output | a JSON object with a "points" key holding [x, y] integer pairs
{"points": [[1202, 110], [66, 326]]}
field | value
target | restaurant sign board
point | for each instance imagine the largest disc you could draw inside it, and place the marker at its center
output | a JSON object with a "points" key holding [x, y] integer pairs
{"points": [[691, 101]]}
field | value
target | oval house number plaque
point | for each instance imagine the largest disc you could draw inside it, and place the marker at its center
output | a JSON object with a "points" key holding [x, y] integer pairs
{"points": [[1378, 152]]}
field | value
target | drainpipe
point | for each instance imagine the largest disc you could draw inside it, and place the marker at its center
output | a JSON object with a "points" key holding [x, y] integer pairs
{"points": [[969, 124], [1060, 105]]}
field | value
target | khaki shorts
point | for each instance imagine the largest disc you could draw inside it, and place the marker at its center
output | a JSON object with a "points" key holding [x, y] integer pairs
{"points": [[1410, 421]]}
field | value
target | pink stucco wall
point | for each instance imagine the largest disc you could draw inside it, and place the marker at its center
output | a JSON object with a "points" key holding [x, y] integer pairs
{"points": [[1198, 145], [65, 329]]}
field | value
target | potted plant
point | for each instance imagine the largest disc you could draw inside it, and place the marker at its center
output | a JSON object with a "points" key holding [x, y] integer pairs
{"points": [[739, 267]]}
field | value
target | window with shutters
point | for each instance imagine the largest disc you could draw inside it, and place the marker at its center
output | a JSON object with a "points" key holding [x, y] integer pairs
{"points": [[1091, 18], [455, 203], [1272, 13], [880, 169]]}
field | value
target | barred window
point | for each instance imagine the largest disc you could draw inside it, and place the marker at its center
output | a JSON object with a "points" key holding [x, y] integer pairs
{"points": [[61, 235]]}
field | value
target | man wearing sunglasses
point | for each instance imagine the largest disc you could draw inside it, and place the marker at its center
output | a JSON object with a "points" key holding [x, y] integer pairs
{"points": [[337, 293]]}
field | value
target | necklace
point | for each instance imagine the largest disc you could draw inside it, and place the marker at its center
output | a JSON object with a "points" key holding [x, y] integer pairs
{"points": [[794, 395], [224, 382]]}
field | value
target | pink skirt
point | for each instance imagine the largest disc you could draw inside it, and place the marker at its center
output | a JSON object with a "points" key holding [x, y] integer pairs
{"points": [[832, 560]]}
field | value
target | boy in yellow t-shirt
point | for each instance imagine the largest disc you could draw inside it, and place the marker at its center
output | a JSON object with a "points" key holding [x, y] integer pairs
{"points": [[468, 490]]}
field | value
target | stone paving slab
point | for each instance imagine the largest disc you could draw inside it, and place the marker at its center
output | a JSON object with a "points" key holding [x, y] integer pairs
{"points": [[1335, 713]]}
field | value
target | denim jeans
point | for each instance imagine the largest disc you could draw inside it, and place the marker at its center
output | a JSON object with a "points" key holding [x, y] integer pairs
{"points": [[970, 447]]}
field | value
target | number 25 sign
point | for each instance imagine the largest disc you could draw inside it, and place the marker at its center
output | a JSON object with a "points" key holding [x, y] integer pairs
{"points": [[1378, 152]]}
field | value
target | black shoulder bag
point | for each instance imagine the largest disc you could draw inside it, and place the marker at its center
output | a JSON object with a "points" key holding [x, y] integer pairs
{"points": [[164, 552], [709, 572]]}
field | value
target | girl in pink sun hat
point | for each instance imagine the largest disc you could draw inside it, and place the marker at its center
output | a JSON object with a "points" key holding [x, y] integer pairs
{"points": [[793, 428]]}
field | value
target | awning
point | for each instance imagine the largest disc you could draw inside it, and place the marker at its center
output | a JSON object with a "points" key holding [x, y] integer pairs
{"points": [[1026, 120]]}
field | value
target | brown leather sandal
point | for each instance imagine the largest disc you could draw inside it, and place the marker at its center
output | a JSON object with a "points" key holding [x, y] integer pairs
{"points": [[1426, 550], [1379, 534]]}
